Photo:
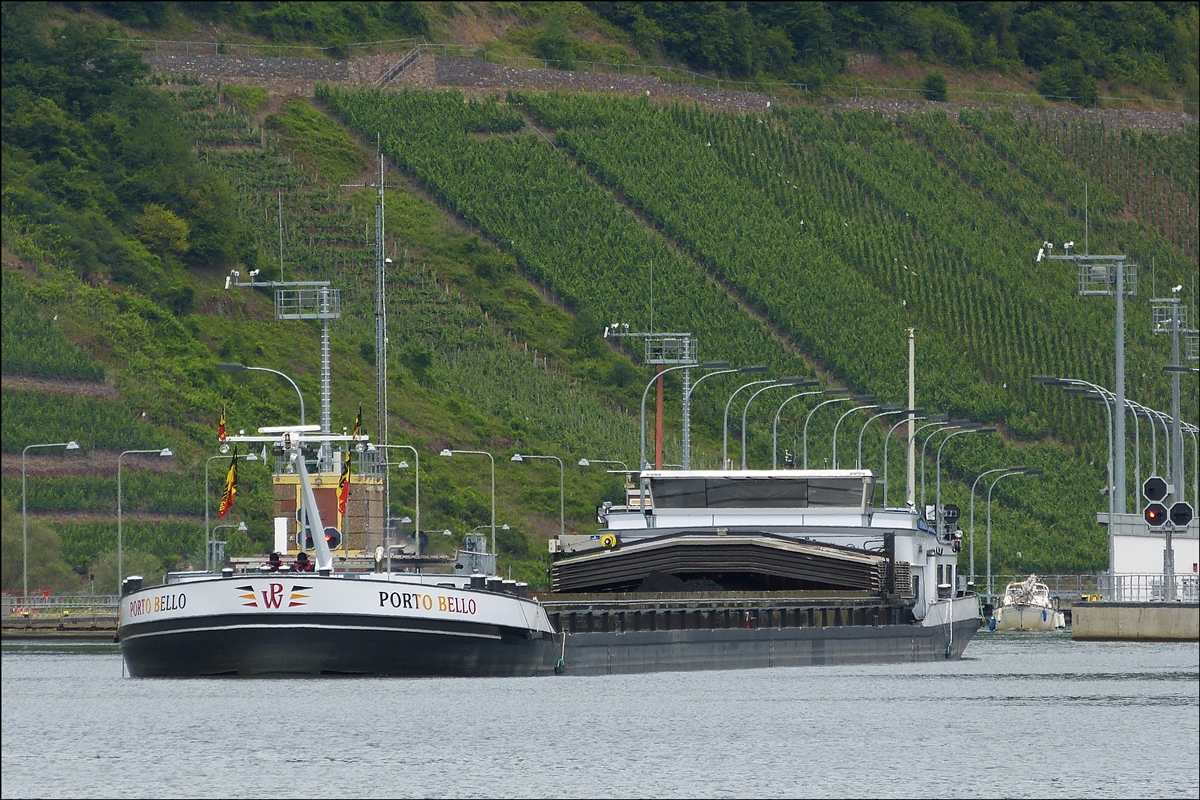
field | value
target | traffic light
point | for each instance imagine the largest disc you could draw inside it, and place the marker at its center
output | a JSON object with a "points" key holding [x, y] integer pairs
{"points": [[950, 513], [1154, 489], [333, 537], [1181, 514], [1156, 515]]}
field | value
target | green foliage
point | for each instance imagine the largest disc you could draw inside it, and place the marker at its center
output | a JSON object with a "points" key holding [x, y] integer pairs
{"points": [[318, 142], [31, 417], [934, 87], [88, 147], [1151, 45], [46, 567], [34, 344], [248, 98]]}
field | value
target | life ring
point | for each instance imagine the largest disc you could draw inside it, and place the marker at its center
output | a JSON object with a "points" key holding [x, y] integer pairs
{"points": [[608, 541]]}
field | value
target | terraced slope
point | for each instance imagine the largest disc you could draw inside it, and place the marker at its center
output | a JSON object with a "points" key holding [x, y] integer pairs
{"points": [[803, 219]]}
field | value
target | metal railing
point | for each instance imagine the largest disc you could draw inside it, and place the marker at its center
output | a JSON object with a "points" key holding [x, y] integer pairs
{"points": [[59, 606], [1064, 586], [265, 50], [1150, 588]]}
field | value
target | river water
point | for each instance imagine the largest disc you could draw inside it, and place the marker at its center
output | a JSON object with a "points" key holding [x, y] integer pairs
{"points": [[1023, 715]]}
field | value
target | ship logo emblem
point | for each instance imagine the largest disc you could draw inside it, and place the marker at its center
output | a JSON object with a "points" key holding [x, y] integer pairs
{"points": [[272, 596]]}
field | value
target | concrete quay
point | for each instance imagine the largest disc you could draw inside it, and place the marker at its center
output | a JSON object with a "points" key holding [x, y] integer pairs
{"points": [[1146, 622]]}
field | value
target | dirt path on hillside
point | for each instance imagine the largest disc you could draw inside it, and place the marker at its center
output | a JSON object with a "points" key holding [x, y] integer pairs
{"points": [[83, 462], [60, 385]]}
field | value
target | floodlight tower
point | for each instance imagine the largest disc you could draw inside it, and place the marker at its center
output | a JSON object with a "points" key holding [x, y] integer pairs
{"points": [[1107, 276], [662, 350], [303, 300]]}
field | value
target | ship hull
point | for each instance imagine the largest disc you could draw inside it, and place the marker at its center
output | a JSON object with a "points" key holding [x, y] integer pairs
{"points": [[306, 625], [334, 646], [687, 650], [1027, 618]]}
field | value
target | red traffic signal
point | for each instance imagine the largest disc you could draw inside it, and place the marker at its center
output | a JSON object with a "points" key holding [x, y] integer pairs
{"points": [[1154, 489], [1181, 514], [1155, 515]]}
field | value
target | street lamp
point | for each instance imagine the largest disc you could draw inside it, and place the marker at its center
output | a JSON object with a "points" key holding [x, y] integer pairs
{"points": [[973, 485], [687, 456], [989, 521], [1076, 383], [417, 469], [244, 368], [937, 498], [725, 419], [934, 419], [583, 462], [707, 365], [447, 453], [891, 409], [72, 445], [775, 425], [518, 458], [207, 535], [861, 398], [210, 546], [837, 424], [953, 424], [781, 383], [164, 453]]}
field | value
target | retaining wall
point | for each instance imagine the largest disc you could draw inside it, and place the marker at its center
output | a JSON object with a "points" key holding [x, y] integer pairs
{"points": [[1136, 621]]}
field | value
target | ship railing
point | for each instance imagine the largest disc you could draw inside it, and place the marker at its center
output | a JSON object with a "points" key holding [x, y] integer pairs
{"points": [[1070, 587], [60, 606], [1149, 588]]}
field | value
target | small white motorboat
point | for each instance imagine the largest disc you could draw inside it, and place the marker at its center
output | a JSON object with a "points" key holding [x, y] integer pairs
{"points": [[1027, 606]]}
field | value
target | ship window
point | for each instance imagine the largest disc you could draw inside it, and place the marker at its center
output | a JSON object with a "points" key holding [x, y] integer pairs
{"points": [[760, 493], [916, 586]]}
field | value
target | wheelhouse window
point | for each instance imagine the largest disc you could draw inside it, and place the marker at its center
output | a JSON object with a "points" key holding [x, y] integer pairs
{"points": [[699, 493]]}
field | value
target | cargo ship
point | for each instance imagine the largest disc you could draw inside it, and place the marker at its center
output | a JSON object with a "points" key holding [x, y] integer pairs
{"points": [[291, 614], [756, 568]]}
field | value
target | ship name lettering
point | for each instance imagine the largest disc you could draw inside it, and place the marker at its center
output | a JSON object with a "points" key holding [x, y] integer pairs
{"points": [[405, 600], [160, 602], [456, 605]]}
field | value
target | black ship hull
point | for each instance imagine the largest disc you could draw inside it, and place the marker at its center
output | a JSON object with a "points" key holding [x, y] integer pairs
{"points": [[328, 645], [598, 653]]}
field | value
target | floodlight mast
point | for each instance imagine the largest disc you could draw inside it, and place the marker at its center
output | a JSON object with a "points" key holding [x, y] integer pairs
{"points": [[1104, 275]]}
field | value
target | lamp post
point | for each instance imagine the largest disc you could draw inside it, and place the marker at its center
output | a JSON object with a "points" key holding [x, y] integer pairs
{"points": [[447, 453], [989, 521], [725, 419], [1075, 382], [417, 472], [973, 485], [72, 445], [782, 382], [518, 458], [708, 365], [872, 418], [210, 546], [953, 424], [886, 439], [837, 424], [244, 368], [687, 456], [164, 453], [937, 498], [778, 411], [862, 398], [584, 462]]}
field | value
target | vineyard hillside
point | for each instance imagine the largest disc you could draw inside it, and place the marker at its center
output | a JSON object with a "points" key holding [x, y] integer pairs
{"points": [[805, 237]]}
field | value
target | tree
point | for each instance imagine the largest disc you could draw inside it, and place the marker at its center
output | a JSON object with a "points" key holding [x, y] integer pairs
{"points": [[163, 233], [934, 86]]}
